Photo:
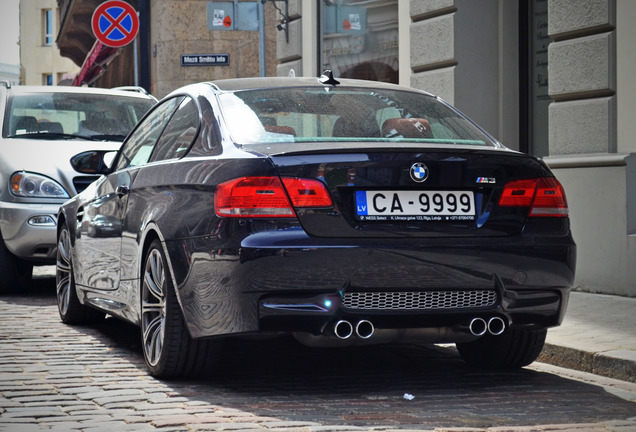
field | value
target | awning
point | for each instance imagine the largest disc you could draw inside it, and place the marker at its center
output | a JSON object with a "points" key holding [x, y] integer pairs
{"points": [[95, 63]]}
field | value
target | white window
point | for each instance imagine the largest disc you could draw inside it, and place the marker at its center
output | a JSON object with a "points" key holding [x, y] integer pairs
{"points": [[47, 26]]}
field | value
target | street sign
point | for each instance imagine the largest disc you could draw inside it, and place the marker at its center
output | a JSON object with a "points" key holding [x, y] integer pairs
{"points": [[115, 23], [205, 60]]}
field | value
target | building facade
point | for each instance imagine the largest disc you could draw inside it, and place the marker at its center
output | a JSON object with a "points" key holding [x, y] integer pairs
{"points": [[169, 32], [40, 59], [550, 77], [553, 78], [592, 135]]}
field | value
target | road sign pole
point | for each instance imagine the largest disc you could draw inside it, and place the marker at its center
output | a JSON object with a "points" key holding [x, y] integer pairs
{"points": [[261, 38]]}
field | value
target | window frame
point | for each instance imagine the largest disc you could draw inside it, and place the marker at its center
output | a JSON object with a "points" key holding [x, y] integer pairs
{"points": [[165, 139], [143, 135], [47, 27]]}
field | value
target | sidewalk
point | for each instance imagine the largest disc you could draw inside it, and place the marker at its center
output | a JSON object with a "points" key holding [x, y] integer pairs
{"points": [[598, 335]]}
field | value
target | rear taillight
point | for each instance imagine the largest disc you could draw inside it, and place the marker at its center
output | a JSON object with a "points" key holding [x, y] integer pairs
{"points": [[518, 193], [545, 197], [550, 199], [307, 192], [267, 197]]}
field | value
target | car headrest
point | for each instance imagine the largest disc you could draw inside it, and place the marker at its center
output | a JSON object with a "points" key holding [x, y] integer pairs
{"points": [[287, 130], [54, 127]]}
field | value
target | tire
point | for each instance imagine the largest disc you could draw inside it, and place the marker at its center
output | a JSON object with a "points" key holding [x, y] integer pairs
{"points": [[513, 349], [15, 274], [68, 305], [169, 351]]}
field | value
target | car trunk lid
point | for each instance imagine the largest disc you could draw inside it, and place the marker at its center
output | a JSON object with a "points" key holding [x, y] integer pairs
{"points": [[414, 193]]}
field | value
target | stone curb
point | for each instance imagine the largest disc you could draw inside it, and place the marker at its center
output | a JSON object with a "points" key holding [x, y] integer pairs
{"points": [[596, 363]]}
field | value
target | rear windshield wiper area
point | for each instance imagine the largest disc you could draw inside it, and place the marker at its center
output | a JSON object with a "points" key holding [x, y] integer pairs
{"points": [[55, 135]]}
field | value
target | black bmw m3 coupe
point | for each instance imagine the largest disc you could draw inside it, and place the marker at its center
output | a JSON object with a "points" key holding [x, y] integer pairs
{"points": [[341, 212]]}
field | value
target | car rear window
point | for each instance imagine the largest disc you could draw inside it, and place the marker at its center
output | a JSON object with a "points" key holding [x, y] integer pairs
{"points": [[339, 115]]}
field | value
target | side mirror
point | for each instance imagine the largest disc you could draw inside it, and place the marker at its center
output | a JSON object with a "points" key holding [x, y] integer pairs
{"points": [[93, 162]]}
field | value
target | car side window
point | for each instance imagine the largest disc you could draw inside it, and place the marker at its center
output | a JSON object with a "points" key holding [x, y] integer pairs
{"points": [[138, 148], [178, 134]]}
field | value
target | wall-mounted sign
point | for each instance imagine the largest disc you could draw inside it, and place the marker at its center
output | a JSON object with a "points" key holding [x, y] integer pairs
{"points": [[232, 15], [205, 60], [341, 19], [115, 23]]}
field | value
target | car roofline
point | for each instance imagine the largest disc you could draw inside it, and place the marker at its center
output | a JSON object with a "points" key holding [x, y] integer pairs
{"points": [[23, 89], [238, 84]]}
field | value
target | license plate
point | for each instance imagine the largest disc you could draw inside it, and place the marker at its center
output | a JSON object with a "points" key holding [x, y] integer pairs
{"points": [[415, 205]]}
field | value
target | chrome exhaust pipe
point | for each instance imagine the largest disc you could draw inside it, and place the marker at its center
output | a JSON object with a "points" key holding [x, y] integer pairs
{"points": [[364, 329], [478, 326], [343, 329], [496, 326]]}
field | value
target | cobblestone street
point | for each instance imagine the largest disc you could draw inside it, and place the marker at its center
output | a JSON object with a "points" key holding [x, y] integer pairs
{"points": [[57, 377]]}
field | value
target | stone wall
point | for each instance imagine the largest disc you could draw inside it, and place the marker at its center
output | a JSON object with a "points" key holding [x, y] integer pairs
{"points": [[581, 67], [466, 52], [595, 166], [289, 50], [180, 27]]}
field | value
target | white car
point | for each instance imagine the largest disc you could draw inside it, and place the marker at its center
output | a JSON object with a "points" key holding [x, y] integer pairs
{"points": [[43, 127]]}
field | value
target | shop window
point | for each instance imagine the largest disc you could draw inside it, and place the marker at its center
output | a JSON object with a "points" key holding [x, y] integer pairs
{"points": [[360, 40]]}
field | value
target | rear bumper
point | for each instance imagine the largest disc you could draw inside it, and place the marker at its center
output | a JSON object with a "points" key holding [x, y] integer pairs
{"points": [[532, 309], [286, 281]]}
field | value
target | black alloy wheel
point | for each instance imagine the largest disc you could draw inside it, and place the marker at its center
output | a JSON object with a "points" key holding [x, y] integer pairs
{"points": [[168, 349], [70, 309]]}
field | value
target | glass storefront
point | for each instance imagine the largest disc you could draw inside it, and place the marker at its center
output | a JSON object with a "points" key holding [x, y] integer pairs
{"points": [[359, 39]]}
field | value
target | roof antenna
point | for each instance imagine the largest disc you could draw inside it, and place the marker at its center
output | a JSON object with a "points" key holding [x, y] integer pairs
{"points": [[327, 78]]}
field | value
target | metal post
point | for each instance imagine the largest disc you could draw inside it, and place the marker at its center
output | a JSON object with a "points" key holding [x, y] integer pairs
{"points": [[136, 62], [261, 37]]}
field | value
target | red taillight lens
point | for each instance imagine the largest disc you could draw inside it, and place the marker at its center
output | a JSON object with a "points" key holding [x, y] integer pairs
{"points": [[267, 197], [307, 192], [550, 199], [518, 193], [252, 197], [545, 197]]}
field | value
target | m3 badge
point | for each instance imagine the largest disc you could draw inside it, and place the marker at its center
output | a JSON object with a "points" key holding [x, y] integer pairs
{"points": [[486, 180]]}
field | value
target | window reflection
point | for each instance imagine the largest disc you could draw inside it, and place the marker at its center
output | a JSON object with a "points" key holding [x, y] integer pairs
{"points": [[360, 39]]}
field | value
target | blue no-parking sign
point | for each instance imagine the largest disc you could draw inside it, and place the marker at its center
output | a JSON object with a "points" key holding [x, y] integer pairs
{"points": [[115, 23]]}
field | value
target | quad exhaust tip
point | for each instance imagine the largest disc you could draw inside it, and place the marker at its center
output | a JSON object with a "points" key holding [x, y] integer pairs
{"points": [[343, 329], [496, 326], [479, 327], [364, 329]]}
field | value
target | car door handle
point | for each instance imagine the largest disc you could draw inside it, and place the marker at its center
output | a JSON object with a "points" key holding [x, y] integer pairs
{"points": [[121, 191]]}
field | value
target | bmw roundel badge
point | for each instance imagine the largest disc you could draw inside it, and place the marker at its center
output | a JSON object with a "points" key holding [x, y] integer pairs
{"points": [[419, 172]]}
